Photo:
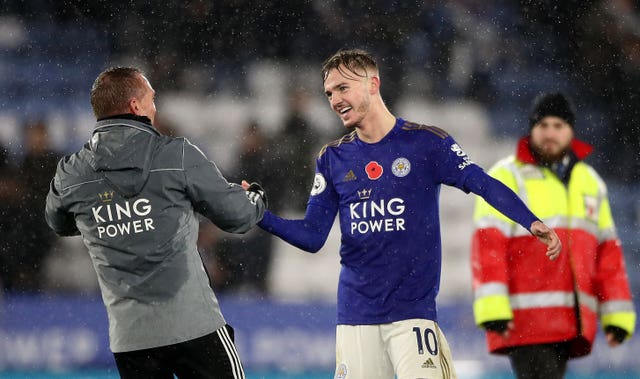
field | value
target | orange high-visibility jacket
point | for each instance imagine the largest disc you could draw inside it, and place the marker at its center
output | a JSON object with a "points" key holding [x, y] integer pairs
{"points": [[550, 301]]}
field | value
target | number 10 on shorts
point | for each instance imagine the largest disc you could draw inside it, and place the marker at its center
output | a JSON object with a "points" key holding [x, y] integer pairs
{"points": [[426, 339]]}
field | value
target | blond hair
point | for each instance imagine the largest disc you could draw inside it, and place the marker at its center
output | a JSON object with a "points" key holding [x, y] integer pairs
{"points": [[357, 62]]}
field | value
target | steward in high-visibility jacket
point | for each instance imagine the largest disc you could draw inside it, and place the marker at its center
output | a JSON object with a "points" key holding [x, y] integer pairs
{"points": [[550, 301]]}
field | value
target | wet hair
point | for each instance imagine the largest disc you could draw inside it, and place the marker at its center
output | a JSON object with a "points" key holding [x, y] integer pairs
{"points": [[355, 61], [112, 90]]}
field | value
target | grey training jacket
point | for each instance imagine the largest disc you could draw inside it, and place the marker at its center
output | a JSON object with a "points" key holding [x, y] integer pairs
{"points": [[132, 194]]}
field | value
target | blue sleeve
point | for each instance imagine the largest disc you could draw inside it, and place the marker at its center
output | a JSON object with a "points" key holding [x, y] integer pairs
{"points": [[451, 164], [500, 197], [308, 234]]}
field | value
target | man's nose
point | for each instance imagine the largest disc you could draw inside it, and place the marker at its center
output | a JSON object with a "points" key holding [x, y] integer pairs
{"points": [[335, 99]]}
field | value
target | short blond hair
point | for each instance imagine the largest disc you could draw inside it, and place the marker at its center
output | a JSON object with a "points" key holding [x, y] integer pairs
{"points": [[357, 62]]}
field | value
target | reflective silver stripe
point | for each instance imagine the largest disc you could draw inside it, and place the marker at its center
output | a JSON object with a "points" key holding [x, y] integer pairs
{"points": [[517, 230], [581, 223], [602, 186], [490, 289], [511, 229], [166, 169], [494, 222], [541, 299], [588, 301], [552, 222], [616, 306], [608, 234], [584, 224], [521, 190], [555, 222], [81, 184], [551, 299], [232, 353]]}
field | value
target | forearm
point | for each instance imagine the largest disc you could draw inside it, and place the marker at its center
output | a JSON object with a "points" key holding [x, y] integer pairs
{"points": [[308, 234], [501, 198], [227, 205]]}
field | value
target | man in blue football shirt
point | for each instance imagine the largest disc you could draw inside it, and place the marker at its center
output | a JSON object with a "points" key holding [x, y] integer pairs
{"points": [[383, 179]]}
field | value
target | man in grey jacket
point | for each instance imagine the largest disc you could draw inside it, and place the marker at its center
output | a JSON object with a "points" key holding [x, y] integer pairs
{"points": [[133, 194]]}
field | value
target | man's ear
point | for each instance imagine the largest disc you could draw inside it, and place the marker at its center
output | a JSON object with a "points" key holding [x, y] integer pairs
{"points": [[134, 106], [374, 84]]}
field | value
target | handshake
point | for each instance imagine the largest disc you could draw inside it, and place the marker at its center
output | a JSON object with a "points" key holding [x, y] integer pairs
{"points": [[255, 192]]}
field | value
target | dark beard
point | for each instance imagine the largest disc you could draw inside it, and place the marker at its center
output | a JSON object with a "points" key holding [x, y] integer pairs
{"points": [[546, 159]]}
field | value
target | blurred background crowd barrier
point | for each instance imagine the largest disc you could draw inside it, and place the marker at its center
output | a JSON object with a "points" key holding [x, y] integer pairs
{"points": [[241, 79]]}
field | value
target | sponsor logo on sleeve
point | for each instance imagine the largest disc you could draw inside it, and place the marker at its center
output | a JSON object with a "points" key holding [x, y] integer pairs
{"points": [[466, 161]]}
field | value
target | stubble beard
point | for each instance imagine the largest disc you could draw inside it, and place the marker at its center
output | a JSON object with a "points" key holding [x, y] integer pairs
{"points": [[361, 111]]}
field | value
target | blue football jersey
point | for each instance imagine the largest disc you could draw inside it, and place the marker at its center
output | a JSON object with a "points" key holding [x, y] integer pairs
{"points": [[387, 199]]}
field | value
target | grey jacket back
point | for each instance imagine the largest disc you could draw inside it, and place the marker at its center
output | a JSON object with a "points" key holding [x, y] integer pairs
{"points": [[133, 194]]}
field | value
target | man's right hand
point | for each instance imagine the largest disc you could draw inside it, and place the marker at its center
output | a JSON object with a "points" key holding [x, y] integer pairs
{"points": [[255, 190]]}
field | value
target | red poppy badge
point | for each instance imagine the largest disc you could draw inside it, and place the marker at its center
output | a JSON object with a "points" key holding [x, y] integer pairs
{"points": [[373, 170]]}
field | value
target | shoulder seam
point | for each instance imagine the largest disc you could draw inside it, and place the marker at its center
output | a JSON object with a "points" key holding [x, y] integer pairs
{"points": [[344, 139], [430, 128]]}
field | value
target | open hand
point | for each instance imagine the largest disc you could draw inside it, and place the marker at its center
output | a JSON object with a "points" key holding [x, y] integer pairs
{"points": [[547, 236]]}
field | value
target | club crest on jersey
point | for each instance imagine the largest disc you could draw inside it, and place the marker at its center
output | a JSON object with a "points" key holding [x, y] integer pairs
{"points": [[341, 371], [401, 167], [319, 185], [373, 170]]}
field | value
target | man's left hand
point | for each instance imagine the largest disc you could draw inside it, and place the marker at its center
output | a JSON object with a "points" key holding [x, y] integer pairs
{"points": [[547, 236], [615, 335]]}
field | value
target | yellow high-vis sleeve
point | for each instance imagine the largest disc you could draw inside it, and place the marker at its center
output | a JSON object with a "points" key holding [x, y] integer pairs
{"points": [[623, 320], [492, 308]]}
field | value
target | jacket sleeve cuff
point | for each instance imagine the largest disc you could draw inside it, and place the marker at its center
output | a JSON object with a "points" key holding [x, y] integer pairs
{"points": [[492, 308], [623, 320]]}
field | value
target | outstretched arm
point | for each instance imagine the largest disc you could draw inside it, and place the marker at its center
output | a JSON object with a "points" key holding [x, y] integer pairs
{"points": [[225, 204], [308, 234], [508, 203]]}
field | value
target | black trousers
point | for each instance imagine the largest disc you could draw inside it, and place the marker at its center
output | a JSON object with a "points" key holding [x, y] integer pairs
{"points": [[547, 361], [213, 356]]}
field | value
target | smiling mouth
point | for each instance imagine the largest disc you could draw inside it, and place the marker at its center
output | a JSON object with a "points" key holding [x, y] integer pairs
{"points": [[344, 110]]}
